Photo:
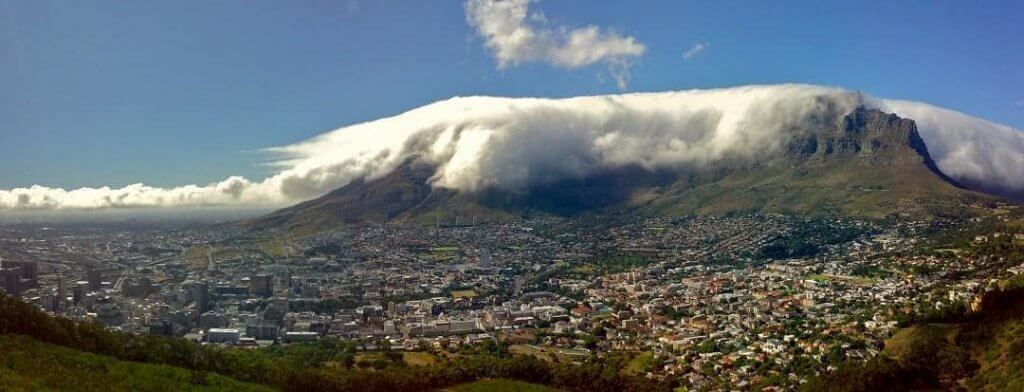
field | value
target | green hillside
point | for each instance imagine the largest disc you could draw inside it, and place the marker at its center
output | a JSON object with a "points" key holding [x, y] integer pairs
{"points": [[500, 386], [983, 351], [27, 364], [830, 189]]}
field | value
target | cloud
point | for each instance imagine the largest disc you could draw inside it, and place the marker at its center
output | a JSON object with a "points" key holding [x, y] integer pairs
{"points": [[696, 50], [231, 191], [515, 36], [978, 152], [1019, 103], [483, 142]]}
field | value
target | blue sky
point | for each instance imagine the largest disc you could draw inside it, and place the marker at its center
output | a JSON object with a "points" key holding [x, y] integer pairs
{"points": [[116, 92]]}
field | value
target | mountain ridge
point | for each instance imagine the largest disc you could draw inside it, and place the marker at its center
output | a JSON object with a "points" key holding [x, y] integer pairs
{"points": [[866, 163]]}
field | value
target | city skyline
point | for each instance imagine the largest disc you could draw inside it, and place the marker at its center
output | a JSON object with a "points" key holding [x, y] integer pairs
{"points": [[527, 195]]}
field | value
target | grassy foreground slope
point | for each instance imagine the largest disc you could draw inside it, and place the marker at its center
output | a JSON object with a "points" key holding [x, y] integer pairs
{"points": [[27, 364], [501, 385], [326, 365]]}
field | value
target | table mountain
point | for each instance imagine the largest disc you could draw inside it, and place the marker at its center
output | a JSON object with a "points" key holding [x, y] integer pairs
{"points": [[867, 164]]}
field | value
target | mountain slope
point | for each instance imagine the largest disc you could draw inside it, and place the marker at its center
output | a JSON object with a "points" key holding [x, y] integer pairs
{"points": [[870, 164], [31, 365], [402, 194], [864, 164]]}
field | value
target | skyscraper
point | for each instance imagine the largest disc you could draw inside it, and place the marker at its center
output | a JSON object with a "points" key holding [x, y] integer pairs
{"points": [[201, 293], [262, 286], [95, 280], [10, 280], [30, 272], [62, 294]]}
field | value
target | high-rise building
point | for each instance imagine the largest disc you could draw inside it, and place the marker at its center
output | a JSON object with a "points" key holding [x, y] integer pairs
{"points": [[78, 291], [137, 288], [62, 292], [262, 286], [108, 312], [55, 303], [95, 279], [201, 295], [30, 273], [10, 280]]}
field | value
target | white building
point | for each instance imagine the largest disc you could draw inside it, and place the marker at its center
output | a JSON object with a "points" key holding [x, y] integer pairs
{"points": [[222, 335]]}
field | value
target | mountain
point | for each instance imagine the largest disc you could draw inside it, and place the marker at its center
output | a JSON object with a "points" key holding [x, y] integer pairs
{"points": [[866, 163], [870, 164]]}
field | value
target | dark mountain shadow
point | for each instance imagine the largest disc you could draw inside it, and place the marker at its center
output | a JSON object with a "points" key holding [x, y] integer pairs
{"points": [[606, 189]]}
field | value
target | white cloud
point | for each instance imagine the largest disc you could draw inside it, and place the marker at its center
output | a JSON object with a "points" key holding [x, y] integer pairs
{"points": [[697, 49], [967, 148], [516, 36], [511, 143]]}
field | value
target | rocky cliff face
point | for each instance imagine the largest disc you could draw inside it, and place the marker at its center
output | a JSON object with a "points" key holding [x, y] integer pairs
{"points": [[868, 137], [865, 136]]}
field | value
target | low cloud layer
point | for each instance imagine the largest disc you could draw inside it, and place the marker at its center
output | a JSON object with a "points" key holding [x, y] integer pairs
{"points": [[516, 36], [975, 151], [512, 143], [696, 50]]}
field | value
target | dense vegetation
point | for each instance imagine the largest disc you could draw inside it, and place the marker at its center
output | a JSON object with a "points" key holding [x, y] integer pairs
{"points": [[808, 239], [1007, 246], [327, 365], [983, 351]]}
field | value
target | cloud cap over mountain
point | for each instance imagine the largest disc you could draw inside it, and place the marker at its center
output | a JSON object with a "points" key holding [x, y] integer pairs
{"points": [[512, 143]]}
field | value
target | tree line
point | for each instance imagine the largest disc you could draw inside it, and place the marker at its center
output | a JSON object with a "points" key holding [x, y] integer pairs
{"points": [[326, 365]]}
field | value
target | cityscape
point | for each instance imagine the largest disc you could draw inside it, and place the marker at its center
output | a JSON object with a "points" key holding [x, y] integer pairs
{"points": [[511, 196], [712, 301]]}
